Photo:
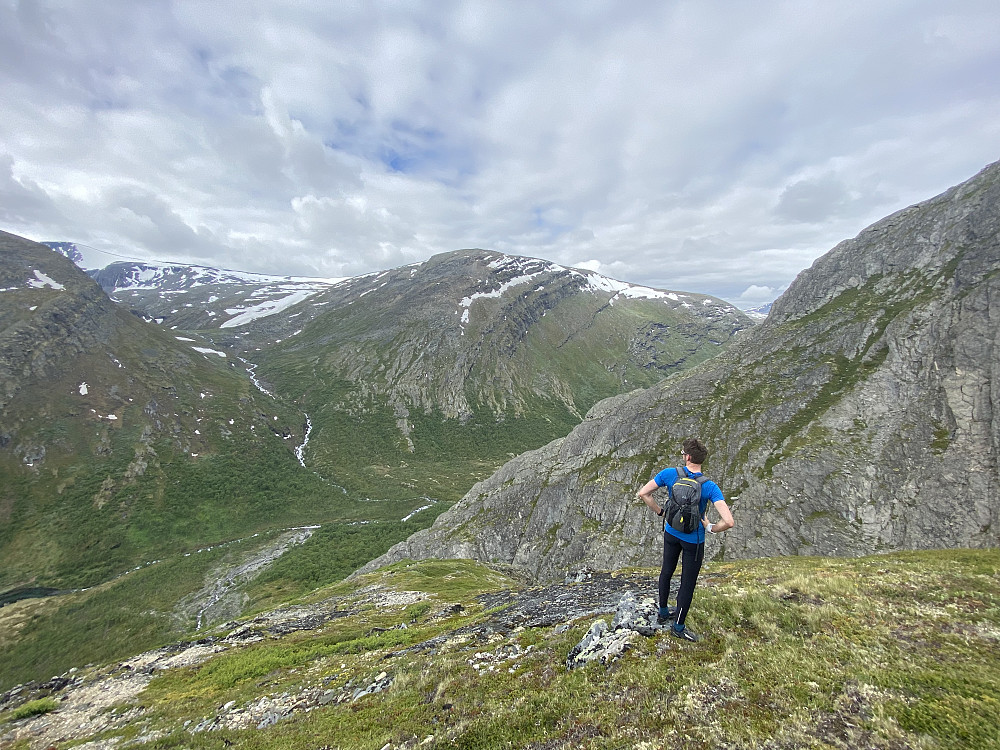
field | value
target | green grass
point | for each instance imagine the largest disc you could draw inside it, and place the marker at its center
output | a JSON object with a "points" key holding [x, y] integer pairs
{"points": [[139, 611], [886, 651], [29, 709]]}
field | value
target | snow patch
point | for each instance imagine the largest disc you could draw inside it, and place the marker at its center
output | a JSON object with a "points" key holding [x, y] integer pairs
{"points": [[249, 314], [205, 350], [600, 283], [83, 389], [41, 280], [507, 285]]}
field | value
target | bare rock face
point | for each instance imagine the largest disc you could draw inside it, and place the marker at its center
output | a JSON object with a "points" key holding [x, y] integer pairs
{"points": [[860, 417]]}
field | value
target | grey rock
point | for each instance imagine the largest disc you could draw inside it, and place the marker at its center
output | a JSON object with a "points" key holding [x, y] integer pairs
{"points": [[635, 615], [605, 644], [600, 644]]}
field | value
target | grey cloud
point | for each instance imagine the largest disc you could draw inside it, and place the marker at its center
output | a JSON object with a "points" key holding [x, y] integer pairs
{"points": [[22, 202], [813, 200], [149, 221]]}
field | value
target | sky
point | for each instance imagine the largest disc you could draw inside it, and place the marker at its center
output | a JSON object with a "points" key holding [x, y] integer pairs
{"points": [[710, 146]]}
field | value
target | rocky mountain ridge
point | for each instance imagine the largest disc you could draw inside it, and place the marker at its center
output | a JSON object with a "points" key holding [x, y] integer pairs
{"points": [[858, 418], [189, 297]]}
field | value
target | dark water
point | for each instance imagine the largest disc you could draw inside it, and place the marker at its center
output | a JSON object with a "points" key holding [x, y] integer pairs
{"points": [[27, 592]]}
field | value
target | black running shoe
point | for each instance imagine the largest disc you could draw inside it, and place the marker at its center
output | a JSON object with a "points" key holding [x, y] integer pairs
{"points": [[669, 619], [685, 634]]}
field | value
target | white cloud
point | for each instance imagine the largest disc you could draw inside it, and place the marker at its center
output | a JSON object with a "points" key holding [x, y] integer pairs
{"points": [[755, 295], [701, 145]]}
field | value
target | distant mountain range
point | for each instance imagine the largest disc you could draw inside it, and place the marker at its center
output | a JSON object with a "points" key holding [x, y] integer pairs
{"points": [[759, 312], [195, 297]]}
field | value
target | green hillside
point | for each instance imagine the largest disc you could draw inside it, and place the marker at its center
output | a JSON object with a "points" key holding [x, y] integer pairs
{"points": [[407, 399], [121, 443]]}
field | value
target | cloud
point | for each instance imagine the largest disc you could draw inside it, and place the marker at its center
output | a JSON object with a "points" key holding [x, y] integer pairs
{"points": [[21, 200], [755, 295], [733, 143], [813, 200]]}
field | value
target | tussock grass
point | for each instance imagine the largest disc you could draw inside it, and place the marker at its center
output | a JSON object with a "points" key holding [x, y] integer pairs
{"points": [[31, 708]]}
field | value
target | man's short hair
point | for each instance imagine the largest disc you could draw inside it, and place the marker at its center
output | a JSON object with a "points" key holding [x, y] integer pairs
{"points": [[696, 450]]}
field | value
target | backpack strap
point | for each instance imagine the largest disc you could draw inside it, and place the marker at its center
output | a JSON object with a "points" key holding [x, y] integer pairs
{"points": [[682, 474]]}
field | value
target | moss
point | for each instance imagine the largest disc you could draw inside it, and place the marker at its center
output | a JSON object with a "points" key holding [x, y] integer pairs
{"points": [[31, 708], [942, 439]]}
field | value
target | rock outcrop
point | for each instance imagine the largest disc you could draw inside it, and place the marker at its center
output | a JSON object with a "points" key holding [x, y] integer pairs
{"points": [[860, 417]]}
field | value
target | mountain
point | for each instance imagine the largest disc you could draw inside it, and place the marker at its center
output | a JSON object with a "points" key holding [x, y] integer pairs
{"points": [[69, 249], [429, 377], [420, 380], [121, 442], [760, 312], [860, 417], [197, 297]]}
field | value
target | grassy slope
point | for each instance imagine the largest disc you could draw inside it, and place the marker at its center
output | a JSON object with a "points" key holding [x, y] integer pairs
{"points": [[888, 651], [138, 611]]}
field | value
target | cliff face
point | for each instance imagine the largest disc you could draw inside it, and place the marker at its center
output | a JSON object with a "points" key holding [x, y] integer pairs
{"points": [[859, 417]]}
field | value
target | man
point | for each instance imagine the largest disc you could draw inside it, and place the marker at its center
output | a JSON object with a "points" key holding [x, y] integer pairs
{"points": [[690, 548]]}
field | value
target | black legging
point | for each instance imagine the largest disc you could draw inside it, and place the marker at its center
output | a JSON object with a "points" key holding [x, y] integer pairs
{"points": [[690, 567]]}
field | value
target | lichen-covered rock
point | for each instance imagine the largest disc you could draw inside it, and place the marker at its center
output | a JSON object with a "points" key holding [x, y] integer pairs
{"points": [[604, 644]]}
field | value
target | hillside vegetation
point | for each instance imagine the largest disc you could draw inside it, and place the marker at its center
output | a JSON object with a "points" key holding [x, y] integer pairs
{"points": [[889, 651]]}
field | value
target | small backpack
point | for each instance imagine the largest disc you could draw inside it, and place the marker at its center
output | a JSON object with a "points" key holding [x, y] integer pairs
{"points": [[683, 511]]}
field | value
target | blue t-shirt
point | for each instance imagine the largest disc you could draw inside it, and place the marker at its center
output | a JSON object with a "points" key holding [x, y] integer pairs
{"points": [[710, 492]]}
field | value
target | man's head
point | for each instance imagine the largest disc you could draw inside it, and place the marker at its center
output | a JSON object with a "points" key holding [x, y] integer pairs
{"points": [[695, 450]]}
